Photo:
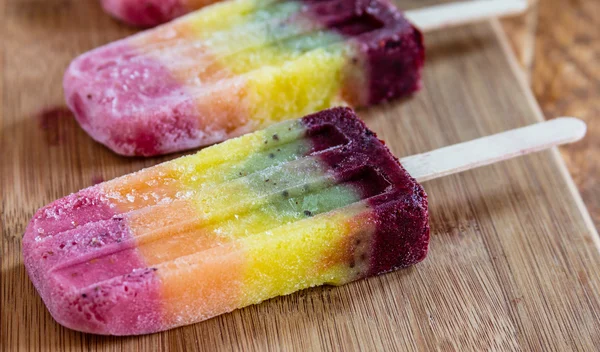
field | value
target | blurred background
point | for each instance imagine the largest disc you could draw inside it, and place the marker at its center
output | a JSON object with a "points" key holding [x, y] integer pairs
{"points": [[558, 45]]}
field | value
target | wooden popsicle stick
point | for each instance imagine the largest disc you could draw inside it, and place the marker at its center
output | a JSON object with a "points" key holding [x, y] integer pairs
{"points": [[498, 147], [455, 14]]}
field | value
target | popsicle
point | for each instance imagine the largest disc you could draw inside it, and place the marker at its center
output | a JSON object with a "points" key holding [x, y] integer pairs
{"points": [[238, 66], [241, 65], [302, 203], [148, 13]]}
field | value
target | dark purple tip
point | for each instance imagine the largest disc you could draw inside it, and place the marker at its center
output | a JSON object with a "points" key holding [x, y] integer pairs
{"points": [[399, 203], [389, 50]]}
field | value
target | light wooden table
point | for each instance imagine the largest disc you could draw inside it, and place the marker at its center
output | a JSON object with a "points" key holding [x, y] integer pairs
{"points": [[558, 44], [514, 259]]}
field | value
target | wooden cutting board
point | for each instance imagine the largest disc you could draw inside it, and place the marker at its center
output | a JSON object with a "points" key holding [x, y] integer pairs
{"points": [[514, 258]]}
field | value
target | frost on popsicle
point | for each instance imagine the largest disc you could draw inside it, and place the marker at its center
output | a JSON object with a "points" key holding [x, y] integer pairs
{"points": [[238, 66], [302, 203]]}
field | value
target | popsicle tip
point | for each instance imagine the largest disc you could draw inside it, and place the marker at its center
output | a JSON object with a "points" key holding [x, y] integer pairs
{"points": [[518, 6], [572, 126]]}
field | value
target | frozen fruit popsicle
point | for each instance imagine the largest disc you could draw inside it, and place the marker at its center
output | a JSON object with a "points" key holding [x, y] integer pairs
{"points": [[302, 203], [306, 202], [238, 66], [147, 13]]}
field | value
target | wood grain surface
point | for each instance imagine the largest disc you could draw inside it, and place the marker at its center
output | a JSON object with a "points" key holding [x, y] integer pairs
{"points": [[558, 43], [514, 256]]}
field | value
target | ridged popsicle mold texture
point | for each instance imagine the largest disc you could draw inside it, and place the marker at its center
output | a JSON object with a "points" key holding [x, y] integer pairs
{"points": [[239, 66], [302, 203]]}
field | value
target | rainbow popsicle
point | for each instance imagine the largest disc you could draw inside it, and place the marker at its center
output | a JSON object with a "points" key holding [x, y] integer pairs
{"points": [[238, 66], [319, 200]]}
